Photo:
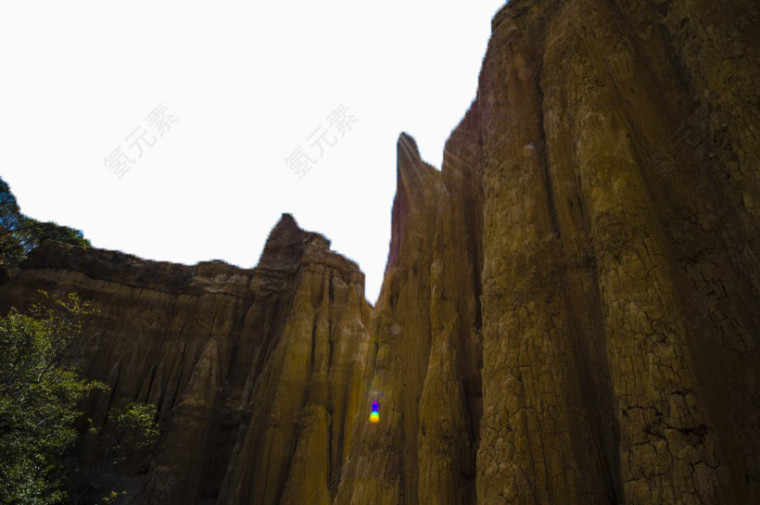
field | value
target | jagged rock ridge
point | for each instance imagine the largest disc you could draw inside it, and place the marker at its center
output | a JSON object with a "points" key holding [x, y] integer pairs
{"points": [[569, 312]]}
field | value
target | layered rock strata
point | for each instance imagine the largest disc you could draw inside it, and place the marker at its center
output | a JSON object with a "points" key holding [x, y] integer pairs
{"points": [[254, 372], [569, 313]]}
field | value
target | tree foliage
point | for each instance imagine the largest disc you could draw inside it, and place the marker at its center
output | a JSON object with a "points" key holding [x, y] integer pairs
{"points": [[38, 399], [125, 443], [40, 391], [19, 234], [132, 428]]}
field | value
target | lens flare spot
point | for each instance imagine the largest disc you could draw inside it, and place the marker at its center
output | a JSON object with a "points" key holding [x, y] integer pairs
{"points": [[374, 416]]}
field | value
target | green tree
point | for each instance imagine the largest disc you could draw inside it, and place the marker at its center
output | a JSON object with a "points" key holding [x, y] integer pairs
{"points": [[126, 440], [11, 251], [38, 398], [20, 234], [131, 429]]}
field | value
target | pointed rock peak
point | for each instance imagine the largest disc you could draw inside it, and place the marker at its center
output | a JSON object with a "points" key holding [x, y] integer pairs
{"points": [[407, 142], [285, 245], [286, 216], [287, 225], [415, 183], [287, 230], [410, 166], [289, 246], [408, 161], [407, 146]]}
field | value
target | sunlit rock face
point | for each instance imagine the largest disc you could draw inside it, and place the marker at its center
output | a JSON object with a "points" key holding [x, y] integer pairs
{"points": [[257, 374], [570, 313]]}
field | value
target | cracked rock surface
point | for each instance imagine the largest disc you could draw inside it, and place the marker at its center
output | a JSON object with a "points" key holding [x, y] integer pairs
{"points": [[570, 313]]}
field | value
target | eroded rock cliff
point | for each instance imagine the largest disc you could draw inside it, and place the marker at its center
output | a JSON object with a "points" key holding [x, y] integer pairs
{"points": [[256, 373], [569, 313]]}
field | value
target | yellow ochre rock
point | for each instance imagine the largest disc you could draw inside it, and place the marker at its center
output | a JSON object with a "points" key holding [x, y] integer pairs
{"points": [[569, 316]]}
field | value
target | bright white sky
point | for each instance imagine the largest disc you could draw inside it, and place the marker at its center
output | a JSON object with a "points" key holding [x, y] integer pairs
{"points": [[246, 84]]}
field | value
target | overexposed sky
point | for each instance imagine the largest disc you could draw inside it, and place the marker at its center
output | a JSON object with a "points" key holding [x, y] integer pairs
{"points": [[173, 131]]}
